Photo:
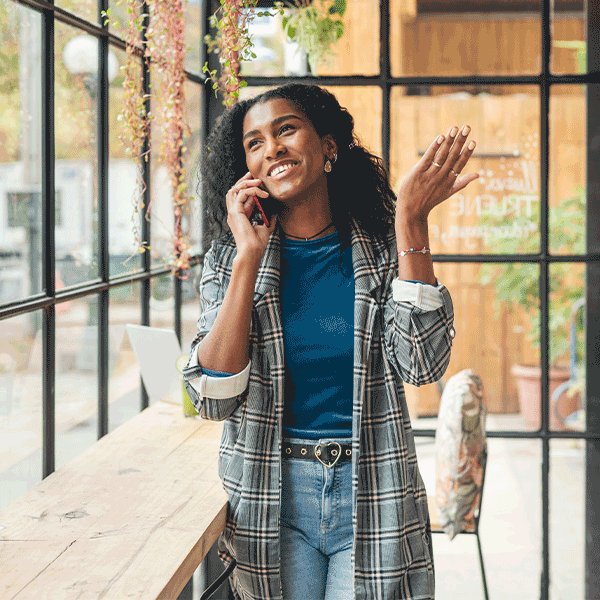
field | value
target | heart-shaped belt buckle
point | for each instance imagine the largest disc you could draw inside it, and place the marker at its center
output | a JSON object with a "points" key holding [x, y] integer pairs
{"points": [[335, 452]]}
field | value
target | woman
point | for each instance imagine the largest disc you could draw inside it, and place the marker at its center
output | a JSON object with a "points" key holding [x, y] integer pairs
{"points": [[308, 328]]}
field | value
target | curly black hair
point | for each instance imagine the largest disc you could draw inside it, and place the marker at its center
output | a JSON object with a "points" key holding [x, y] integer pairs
{"points": [[358, 184]]}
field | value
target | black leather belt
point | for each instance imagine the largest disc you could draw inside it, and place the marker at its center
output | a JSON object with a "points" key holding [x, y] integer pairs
{"points": [[327, 454]]}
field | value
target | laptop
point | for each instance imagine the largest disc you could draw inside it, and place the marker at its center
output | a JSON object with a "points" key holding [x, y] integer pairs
{"points": [[157, 351]]}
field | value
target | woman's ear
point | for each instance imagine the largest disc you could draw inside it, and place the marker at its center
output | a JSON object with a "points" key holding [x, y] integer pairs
{"points": [[329, 146]]}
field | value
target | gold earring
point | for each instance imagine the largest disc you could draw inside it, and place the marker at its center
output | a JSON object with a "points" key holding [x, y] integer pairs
{"points": [[327, 166]]}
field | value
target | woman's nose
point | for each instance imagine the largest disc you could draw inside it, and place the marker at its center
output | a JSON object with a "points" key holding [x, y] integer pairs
{"points": [[274, 148]]}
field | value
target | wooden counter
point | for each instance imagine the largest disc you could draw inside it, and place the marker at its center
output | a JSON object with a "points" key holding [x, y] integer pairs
{"points": [[131, 517]]}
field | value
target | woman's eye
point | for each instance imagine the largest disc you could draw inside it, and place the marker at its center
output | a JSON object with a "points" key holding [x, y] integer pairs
{"points": [[286, 127], [252, 143]]}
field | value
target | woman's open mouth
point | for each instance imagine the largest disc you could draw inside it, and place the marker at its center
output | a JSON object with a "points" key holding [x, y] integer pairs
{"points": [[282, 170]]}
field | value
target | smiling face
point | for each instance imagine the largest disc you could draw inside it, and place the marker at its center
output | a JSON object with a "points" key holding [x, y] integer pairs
{"points": [[284, 151]]}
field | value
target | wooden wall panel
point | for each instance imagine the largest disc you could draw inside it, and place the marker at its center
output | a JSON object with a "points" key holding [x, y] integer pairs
{"points": [[357, 52], [486, 342], [503, 119], [477, 44], [364, 104]]}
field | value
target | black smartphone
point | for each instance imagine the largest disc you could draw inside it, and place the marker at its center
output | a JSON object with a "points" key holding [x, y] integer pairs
{"points": [[263, 211]]}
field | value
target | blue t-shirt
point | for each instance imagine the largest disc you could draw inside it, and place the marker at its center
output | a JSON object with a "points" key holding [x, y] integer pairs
{"points": [[317, 302]]}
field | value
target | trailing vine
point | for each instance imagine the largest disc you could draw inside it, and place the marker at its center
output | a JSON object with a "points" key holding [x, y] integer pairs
{"points": [[161, 44], [232, 43], [163, 49]]}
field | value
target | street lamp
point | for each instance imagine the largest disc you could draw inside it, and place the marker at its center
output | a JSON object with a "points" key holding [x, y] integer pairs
{"points": [[80, 56]]}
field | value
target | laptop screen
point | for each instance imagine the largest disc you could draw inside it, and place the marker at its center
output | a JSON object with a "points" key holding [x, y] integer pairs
{"points": [[157, 351]]}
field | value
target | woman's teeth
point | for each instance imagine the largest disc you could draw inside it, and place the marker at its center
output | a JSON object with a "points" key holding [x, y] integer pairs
{"points": [[281, 169]]}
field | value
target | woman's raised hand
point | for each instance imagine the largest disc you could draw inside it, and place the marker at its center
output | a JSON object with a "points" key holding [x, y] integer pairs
{"points": [[436, 177], [249, 238]]}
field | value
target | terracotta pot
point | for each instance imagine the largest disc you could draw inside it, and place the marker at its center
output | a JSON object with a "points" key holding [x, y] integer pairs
{"points": [[529, 392]]}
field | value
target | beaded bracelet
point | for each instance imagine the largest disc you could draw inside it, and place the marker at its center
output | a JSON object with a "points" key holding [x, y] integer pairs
{"points": [[421, 250]]}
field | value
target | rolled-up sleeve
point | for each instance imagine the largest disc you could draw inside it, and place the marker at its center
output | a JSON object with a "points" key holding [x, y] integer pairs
{"points": [[215, 397], [419, 329]]}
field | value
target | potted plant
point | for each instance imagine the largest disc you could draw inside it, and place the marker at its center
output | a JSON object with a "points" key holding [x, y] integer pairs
{"points": [[315, 26], [516, 285]]}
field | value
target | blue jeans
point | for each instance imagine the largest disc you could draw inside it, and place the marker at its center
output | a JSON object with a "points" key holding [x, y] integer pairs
{"points": [[316, 528]]}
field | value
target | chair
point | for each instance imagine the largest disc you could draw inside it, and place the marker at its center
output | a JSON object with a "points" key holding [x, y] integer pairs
{"points": [[462, 411], [474, 529], [574, 421]]}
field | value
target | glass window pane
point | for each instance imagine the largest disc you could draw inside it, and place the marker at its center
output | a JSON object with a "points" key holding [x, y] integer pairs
{"points": [[499, 212], [568, 30], [567, 353], [567, 518], [123, 179], [161, 188], [76, 91], [192, 12], [355, 53], [162, 302], [86, 9], [20, 153], [76, 388], [20, 405], [118, 14], [449, 38], [496, 318], [190, 309], [510, 525], [365, 105], [192, 221], [567, 188], [124, 385]]}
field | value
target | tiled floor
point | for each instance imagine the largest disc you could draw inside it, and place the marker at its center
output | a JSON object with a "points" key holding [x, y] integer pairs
{"points": [[511, 527], [511, 515]]}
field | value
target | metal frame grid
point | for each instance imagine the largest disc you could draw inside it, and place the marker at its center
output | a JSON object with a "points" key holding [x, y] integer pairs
{"points": [[100, 286], [544, 82], [210, 109]]}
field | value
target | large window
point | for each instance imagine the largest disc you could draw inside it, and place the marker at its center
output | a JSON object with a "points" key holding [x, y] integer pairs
{"points": [[513, 249], [70, 275], [518, 249]]}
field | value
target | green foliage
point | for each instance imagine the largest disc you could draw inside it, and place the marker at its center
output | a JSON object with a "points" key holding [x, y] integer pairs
{"points": [[232, 43], [580, 48], [517, 284], [316, 28]]}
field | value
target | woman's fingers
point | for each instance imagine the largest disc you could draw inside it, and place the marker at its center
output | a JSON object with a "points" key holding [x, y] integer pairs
{"points": [[241, 188], [462, 182], [440, 159], [428, 157], [464, 157], [449, 152]]}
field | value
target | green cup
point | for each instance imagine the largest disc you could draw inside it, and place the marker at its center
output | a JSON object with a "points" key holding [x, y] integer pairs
{"points": [[188, 408]]}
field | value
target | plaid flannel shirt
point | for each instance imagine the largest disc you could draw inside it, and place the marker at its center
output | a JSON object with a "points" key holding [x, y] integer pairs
{"points": [[394, 341]]}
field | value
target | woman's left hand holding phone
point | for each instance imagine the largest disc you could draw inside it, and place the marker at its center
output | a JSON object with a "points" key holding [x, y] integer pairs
{"points": [[241, 199]]}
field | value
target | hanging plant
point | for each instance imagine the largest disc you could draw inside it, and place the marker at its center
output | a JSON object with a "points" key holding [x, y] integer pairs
{"points": [[315, 27], [232, 43], [163, 51]]}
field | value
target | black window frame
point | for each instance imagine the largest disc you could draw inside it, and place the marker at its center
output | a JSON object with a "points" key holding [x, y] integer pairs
{"points": [[47, 300]]}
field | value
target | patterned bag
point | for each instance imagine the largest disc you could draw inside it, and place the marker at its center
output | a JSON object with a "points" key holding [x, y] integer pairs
{"points": [[461, 451]]}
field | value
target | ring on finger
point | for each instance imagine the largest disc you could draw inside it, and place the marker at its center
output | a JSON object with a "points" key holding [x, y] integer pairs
{"points": [[437, 164], [454, 172]]}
